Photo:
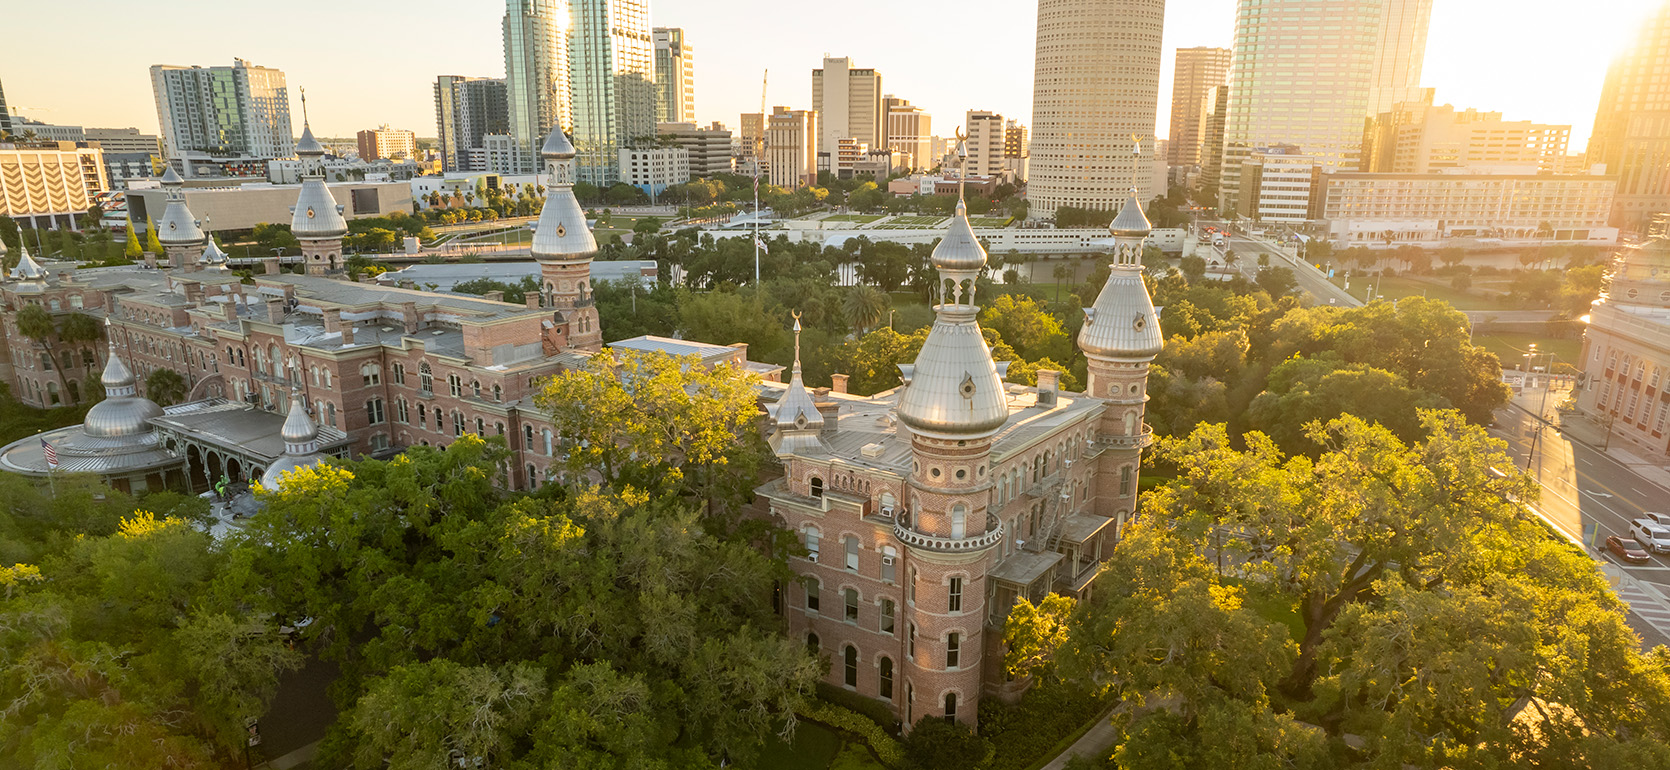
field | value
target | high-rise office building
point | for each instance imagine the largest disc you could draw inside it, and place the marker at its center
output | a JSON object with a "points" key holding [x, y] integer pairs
{"points": [[791, 147], [1399, 54], [5, 113], [1632, 125], [1198, 71], [1085, 110], [983, 132], [848, 101], [909, 133], [241, 110], [536, 66], [1212, 146], [675, 77], [709, 148], [1420, 138], [385, 142], [613, 66], [1017, 152], [466, 111], [1300, 76]]}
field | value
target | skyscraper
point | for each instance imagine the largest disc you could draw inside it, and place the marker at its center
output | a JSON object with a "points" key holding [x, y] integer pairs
{"points": [[1096, 82], [675, 77], [848, 101], [910, 133], [984, 139], [1198, 71], [791, 147], [243, 110], [536, 66], [466, 110], [1290, 85], [5, 114], [1399, 54], [613, 64], [1632, 126]]}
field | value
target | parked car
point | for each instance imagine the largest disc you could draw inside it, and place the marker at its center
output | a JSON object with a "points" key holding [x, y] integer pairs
{"points": [[1626, 550], [1663, 519], [1651, 535]]}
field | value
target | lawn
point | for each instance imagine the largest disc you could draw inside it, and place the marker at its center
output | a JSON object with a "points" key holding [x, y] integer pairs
{"points": [[990, 221], [519, 235], [1511, 347], [859, 218], [913, 222], [817, 747], [1400, 287]]}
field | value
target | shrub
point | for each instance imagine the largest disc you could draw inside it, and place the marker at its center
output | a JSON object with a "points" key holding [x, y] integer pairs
{"points": [[935, 744], [877, 711], [1028, 731], [886, 748]]}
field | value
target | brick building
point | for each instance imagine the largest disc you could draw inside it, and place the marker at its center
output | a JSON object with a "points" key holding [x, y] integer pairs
{"points": [[1626, 351], [927, 510]]}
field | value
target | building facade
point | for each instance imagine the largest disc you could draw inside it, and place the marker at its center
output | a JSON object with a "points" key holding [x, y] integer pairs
{"points": [[385, 142], [927, 510], [1017, 150], [1632, 125], [1301, 75], [675, 77], [241, 110], [1197, 73], [910, 133], [1279, 185], [50, 184], [5, 112], [1626, 351], [1420, 138], [1370, 209], [1096, 84], [1399, 53], [613, 67], [654, 169], [709, 149], [984, 138], [791, 147], [467, 110], [848, 101], [538, 92]]}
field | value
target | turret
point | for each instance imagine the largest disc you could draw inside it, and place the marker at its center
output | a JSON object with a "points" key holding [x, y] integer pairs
{"points": [[178, 231], [316, 219], [799, 423], [301, 444], [563, 245], [28, 273], [123, 412]]}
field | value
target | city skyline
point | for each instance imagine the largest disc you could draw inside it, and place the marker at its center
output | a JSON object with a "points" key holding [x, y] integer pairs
{"points": [[1462, 65]]}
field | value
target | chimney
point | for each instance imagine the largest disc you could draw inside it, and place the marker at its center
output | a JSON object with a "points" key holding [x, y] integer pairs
{"points": [[348, 334], [1049, 385], [839, 383], [828, 408], [150, 261], [271, 265], [275, 310], [409, 314], [229, 310], [494, 296], [194, 293], [333, 320], [407, 283], [532, 300]]}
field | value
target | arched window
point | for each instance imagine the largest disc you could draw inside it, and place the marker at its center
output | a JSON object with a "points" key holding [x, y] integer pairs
{"points": [[475, 386], [959, 521], [887, 678], [851, 661], [817, 487], [481, 427], [426, 378], [372, 373], [954, 597], [812, 643], [950, 707], [330, 412], [548, 448], [527, 437], [850, 596], [397, 371], [498, 392], [812, 542], [1125, 481], [851, 544], [533, 477]]}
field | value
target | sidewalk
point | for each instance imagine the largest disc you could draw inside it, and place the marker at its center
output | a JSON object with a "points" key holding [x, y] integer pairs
{"points": [[1095, 743]]}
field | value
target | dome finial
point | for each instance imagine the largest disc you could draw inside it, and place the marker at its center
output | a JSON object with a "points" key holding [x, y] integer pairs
{"points": [[796, 315], [962, 165]]}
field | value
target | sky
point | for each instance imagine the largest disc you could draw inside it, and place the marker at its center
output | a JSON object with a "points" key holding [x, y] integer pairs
{"points": [[370, 62]]}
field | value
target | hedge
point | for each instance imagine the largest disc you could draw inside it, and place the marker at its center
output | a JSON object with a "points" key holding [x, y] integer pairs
{"points": [[877, 711], [841, 718]]}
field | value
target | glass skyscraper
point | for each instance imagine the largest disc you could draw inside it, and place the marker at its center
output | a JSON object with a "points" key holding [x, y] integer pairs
{"points": [[243, 109], [612, 59], [536, 65]]}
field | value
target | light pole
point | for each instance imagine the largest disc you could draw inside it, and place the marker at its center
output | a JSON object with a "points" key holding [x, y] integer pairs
{"points": [[1542, 401]]}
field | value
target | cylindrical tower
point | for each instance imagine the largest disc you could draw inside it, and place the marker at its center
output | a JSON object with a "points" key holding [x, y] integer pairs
{"points": [[1096, 83], [953, 402], [177, 231], [564, 246], [316, 219]]}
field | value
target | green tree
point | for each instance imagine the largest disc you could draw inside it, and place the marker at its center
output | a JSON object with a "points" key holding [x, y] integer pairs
{"points": [[1032, 633], [152, 245], [1025, 325], [165, 386], [864, 307], [872, 361], [35, 323], [80, 327], [132, 250], [1277, 281], [935, 744], [726, 317]]}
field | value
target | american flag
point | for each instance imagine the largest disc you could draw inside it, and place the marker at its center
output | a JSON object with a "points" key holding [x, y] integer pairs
{"points": [[51, 454]]}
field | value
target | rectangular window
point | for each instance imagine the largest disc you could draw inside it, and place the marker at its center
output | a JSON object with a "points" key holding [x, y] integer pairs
{"points": [[398, 372], [812, 544], [852, 553], [887, 611], [374, 410], [953, 649], [954, 602], [910, 642], [812, 596], [851, 596], [910, 590], [1125, 481], [456, 384], [889, 565]]}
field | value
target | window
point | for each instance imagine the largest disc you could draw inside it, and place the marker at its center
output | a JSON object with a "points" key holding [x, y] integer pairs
{"points": [[910, 696], [812, 595], [910, 590], [812, 543], [887, 678], [851, 656], [955, 601], [481, 427], [398, 372], [910, 642], [959, 522], [457, 423], [527, 437], [330, 414], [953, 649], [889, 564], [498, 392], [851, 596], [426, 380], [812, 643], [455, 384], [372, 375], [1125, 481], [817, 487], [852, 552], [475, 387], [400, 413], [533, 477], [950, 707], [374, 410], [887, 612]]}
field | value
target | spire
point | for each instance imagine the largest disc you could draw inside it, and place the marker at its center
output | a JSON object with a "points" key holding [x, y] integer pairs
{"points": [[316, 215], [799, 423], [959, 257], [308, 147], [212, 258], [301, 436], [117, 379], [177, 227], [1122, 323], [27, 268], [561, 234]]}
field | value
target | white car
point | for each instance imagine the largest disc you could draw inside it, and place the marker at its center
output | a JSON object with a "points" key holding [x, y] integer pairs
{"points": [[1663, 519], [1651, 535]]}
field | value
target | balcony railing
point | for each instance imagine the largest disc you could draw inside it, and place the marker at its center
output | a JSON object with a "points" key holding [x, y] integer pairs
{"points": [[910, 537], [1142, 439]]}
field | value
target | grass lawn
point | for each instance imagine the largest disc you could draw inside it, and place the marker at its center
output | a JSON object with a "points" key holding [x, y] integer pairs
{"points": [[860, 218], [990, 221], [912, 222], [817, 747], [1400, 287], [1511, 347], [519, 235]]}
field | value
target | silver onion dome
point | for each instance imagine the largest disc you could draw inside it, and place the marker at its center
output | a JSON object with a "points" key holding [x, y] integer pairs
{"points": [[1131, 221], [27, 268], [213, 256], [177, 227], [122, 412], [301, 445], [307, 146], [561, 233], [959, 250]]}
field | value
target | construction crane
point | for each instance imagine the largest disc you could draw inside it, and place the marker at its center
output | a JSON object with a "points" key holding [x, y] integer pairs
{"points": [[759, 157]]}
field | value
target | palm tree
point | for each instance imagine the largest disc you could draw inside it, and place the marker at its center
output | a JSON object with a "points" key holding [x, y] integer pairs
{"points": [[864, 306], [165, 386], [1062, 272]]}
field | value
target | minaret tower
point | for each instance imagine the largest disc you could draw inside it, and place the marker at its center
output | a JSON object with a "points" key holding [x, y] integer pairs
{"points": [[316, 219], [178, 232], [799, 423], [301, 444], [564, 246], [1120, 337], [953, 402]]}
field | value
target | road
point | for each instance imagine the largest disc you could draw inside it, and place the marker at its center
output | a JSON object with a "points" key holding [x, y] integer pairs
{"points": [[1585, 490], [1311, 280]]}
